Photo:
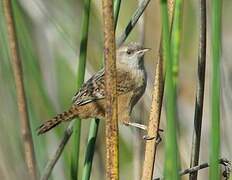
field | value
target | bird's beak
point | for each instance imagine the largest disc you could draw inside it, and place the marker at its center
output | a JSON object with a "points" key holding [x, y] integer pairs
{"points": [[142, 51], [146, 49]]}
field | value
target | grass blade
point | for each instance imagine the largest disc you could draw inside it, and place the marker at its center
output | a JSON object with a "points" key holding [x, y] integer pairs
{"points": [[171, 154], [90, 149], [134, 19], [196, 138], [80, 79], [175, 38], [117, 5], [215, 94]]}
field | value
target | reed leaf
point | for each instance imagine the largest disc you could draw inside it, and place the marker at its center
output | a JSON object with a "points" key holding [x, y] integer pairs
{"points": [[171, 167], [215, 93]]}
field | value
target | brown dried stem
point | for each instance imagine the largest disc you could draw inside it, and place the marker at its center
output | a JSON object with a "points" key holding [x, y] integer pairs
{"points": [[154, 118], [154, 122], [112, 171], [21, 97]]}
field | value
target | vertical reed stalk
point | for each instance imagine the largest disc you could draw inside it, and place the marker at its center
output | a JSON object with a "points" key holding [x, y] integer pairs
{"points": [[154, 120], [215, 93], [95, 122], [20, 91], [196, 138], [90, 149], [171, 150], [80, 80], [111, 130], [175, 38]]}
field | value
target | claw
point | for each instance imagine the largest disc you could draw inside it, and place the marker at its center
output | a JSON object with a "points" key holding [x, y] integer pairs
{"points": [[158, 138], [147, 138]]}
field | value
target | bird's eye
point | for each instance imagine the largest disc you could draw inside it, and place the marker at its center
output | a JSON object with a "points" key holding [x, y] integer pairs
{"points": [[129, 52]]}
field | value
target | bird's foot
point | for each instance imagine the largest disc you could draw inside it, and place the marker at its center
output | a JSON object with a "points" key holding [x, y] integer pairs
{"points": [[158, 138]]}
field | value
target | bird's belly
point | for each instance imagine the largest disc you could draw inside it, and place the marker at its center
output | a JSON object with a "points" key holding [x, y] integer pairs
{"points": [[124, 106], [97, 109], [94, 109]]}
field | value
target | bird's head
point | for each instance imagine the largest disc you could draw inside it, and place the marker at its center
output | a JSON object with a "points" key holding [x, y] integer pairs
{"points": [[131, 55]]}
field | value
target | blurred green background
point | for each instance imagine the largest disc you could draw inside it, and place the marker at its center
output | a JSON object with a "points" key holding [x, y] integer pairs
{"points": [[49, 38]]}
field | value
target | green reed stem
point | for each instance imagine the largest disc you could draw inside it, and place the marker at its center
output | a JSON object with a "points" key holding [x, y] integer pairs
{"points": [[215, 94], [171, 168], [90, 149], [89, 153], [117, 5], [131, 24], [175, 38], [80, 79]]}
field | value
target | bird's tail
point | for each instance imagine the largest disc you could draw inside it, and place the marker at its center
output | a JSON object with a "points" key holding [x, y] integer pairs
{"points": [[65, 116]]}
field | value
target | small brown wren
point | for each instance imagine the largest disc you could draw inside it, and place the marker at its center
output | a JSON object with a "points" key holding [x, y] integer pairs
{"points": [[89, 101]]}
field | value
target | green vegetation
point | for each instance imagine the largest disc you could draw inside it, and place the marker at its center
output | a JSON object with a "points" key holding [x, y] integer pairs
{"points": [[50, 33]]}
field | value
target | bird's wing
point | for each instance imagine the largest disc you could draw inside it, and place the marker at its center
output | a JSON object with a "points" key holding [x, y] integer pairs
{"points": [[94, 88]]}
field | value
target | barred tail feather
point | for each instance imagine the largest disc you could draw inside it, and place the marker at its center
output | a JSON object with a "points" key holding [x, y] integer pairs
{"points": [[48, 125]]}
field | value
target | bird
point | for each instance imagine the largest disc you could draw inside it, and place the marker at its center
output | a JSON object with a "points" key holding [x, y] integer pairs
{"points": [[89, 101]]}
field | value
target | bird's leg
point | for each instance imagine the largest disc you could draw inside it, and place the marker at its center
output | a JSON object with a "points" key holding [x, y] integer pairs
{"points": [[144, 127], [137, 125], [127, 120]]}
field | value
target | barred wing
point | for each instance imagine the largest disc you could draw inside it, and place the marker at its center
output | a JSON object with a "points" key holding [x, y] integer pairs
{"points": [[94, 88]]}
